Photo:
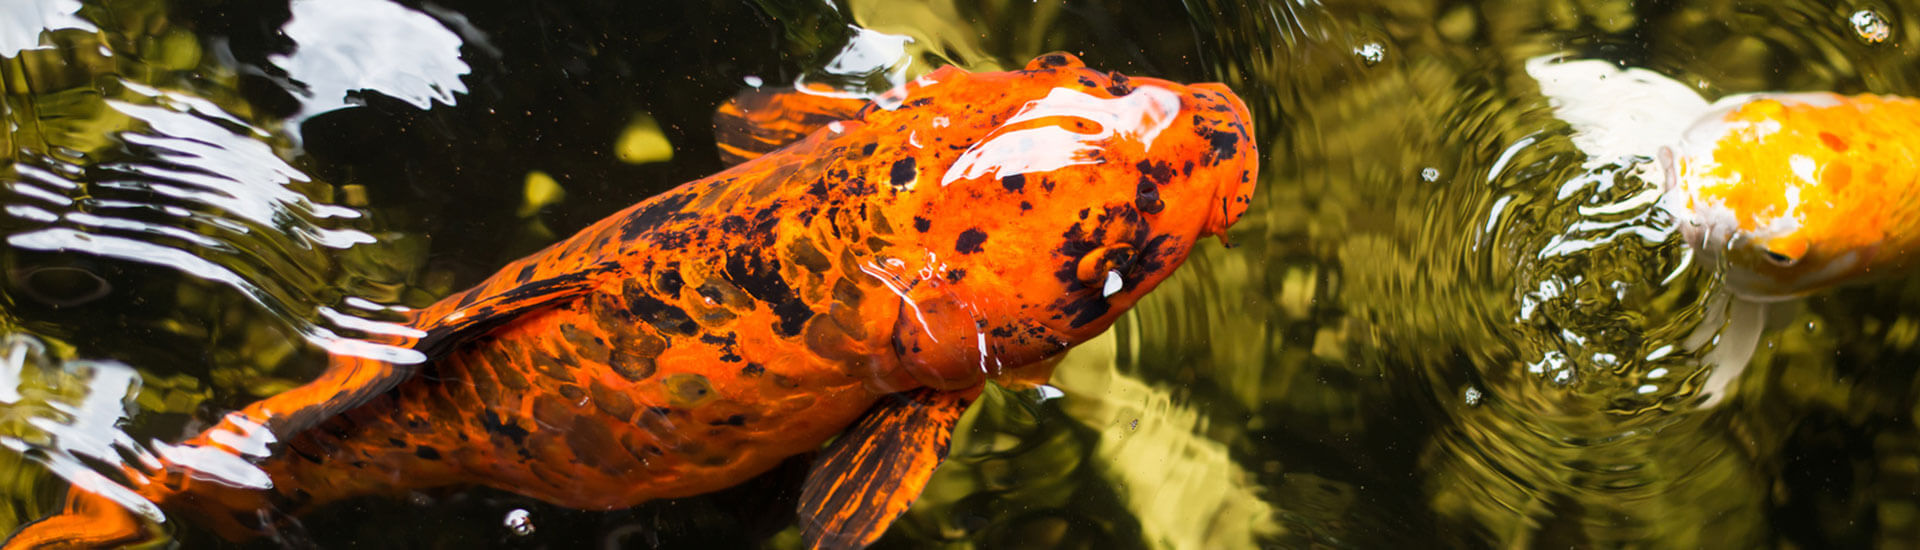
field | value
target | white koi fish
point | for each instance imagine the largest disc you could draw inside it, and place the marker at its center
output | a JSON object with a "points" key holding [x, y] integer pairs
{"points": [[1791, 192]]}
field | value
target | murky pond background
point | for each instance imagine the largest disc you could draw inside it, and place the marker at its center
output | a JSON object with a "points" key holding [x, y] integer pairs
{"points": [[1442, 326]]}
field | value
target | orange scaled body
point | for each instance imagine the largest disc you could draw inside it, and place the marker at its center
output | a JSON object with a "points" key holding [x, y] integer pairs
{"points": [[982, 224]]}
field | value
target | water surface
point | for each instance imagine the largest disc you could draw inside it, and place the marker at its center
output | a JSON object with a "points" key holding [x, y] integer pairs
{"points": [[1442, 325]]}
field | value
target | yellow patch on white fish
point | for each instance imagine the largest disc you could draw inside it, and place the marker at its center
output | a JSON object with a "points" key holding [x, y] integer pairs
{"points": [[1790, 193], [1796, 192], [1800, 191]]}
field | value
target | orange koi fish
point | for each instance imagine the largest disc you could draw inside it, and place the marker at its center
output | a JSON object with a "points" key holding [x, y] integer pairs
{"points": [[862, 275], [1789, 193]]}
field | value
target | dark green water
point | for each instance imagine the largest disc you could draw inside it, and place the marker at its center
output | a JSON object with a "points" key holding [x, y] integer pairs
{"points": [[1441, 325]]}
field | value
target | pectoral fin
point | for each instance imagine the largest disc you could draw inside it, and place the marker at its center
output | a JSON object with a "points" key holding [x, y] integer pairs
{"points": [[869, 476]]}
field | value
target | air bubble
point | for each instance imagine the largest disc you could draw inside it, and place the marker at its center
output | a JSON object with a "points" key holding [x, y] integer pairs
{"points": [[519, 521], [1871, 26], [1430, 174], [1371, 53], [1563, 377], [1473, 396]]}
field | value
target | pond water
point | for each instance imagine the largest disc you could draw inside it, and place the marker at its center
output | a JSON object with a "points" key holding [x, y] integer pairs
{"points": [[1441, 325]]}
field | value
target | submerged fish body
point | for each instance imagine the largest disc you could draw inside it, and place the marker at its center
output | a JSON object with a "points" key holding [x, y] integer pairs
{"points": [[1787, 193], [1799, 192], [872, 274], [1795, 192]]}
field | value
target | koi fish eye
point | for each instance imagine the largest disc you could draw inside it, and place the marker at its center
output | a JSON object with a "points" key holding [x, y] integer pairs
{"points": [[1780, 259]]}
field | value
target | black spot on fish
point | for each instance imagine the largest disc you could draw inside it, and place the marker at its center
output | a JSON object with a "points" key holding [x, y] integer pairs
{"points": [[1159, 172], [1152, 257], [492, 422], [658, 210], [394, 441], [1014, 182], [1088, 82], [734, 224], [727, 346], [955, 275], [970, 241], [1085, 310], [1024, 205], [426, 452], [733, 420], [669, 282], [666, 317], [527, 273], [752, 369], [867, 150], [758, 276], [858, 187], [922, 224], [1225, 144], [1120, 85], [1052, 60], [903, 173], [793, 316], [670, 240]]}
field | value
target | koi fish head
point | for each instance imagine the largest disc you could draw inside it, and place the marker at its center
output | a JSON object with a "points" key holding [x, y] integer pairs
{"points": [[1049, 200], [1798, 192]]}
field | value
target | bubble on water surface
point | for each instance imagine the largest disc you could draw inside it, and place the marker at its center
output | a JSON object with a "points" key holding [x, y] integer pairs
{"points": [[1371, 53], [1870, 26], [519, 521]]}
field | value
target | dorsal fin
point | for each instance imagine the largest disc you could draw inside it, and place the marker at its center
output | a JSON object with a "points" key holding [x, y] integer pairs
{"points": [[761, 120], [869, 476]]}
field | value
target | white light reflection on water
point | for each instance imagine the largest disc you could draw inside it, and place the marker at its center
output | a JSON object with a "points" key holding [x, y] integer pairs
{"points": [[1018, 146], [228, 212], [871, 63], [348, 46], [67, 414], [22, 22]]}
